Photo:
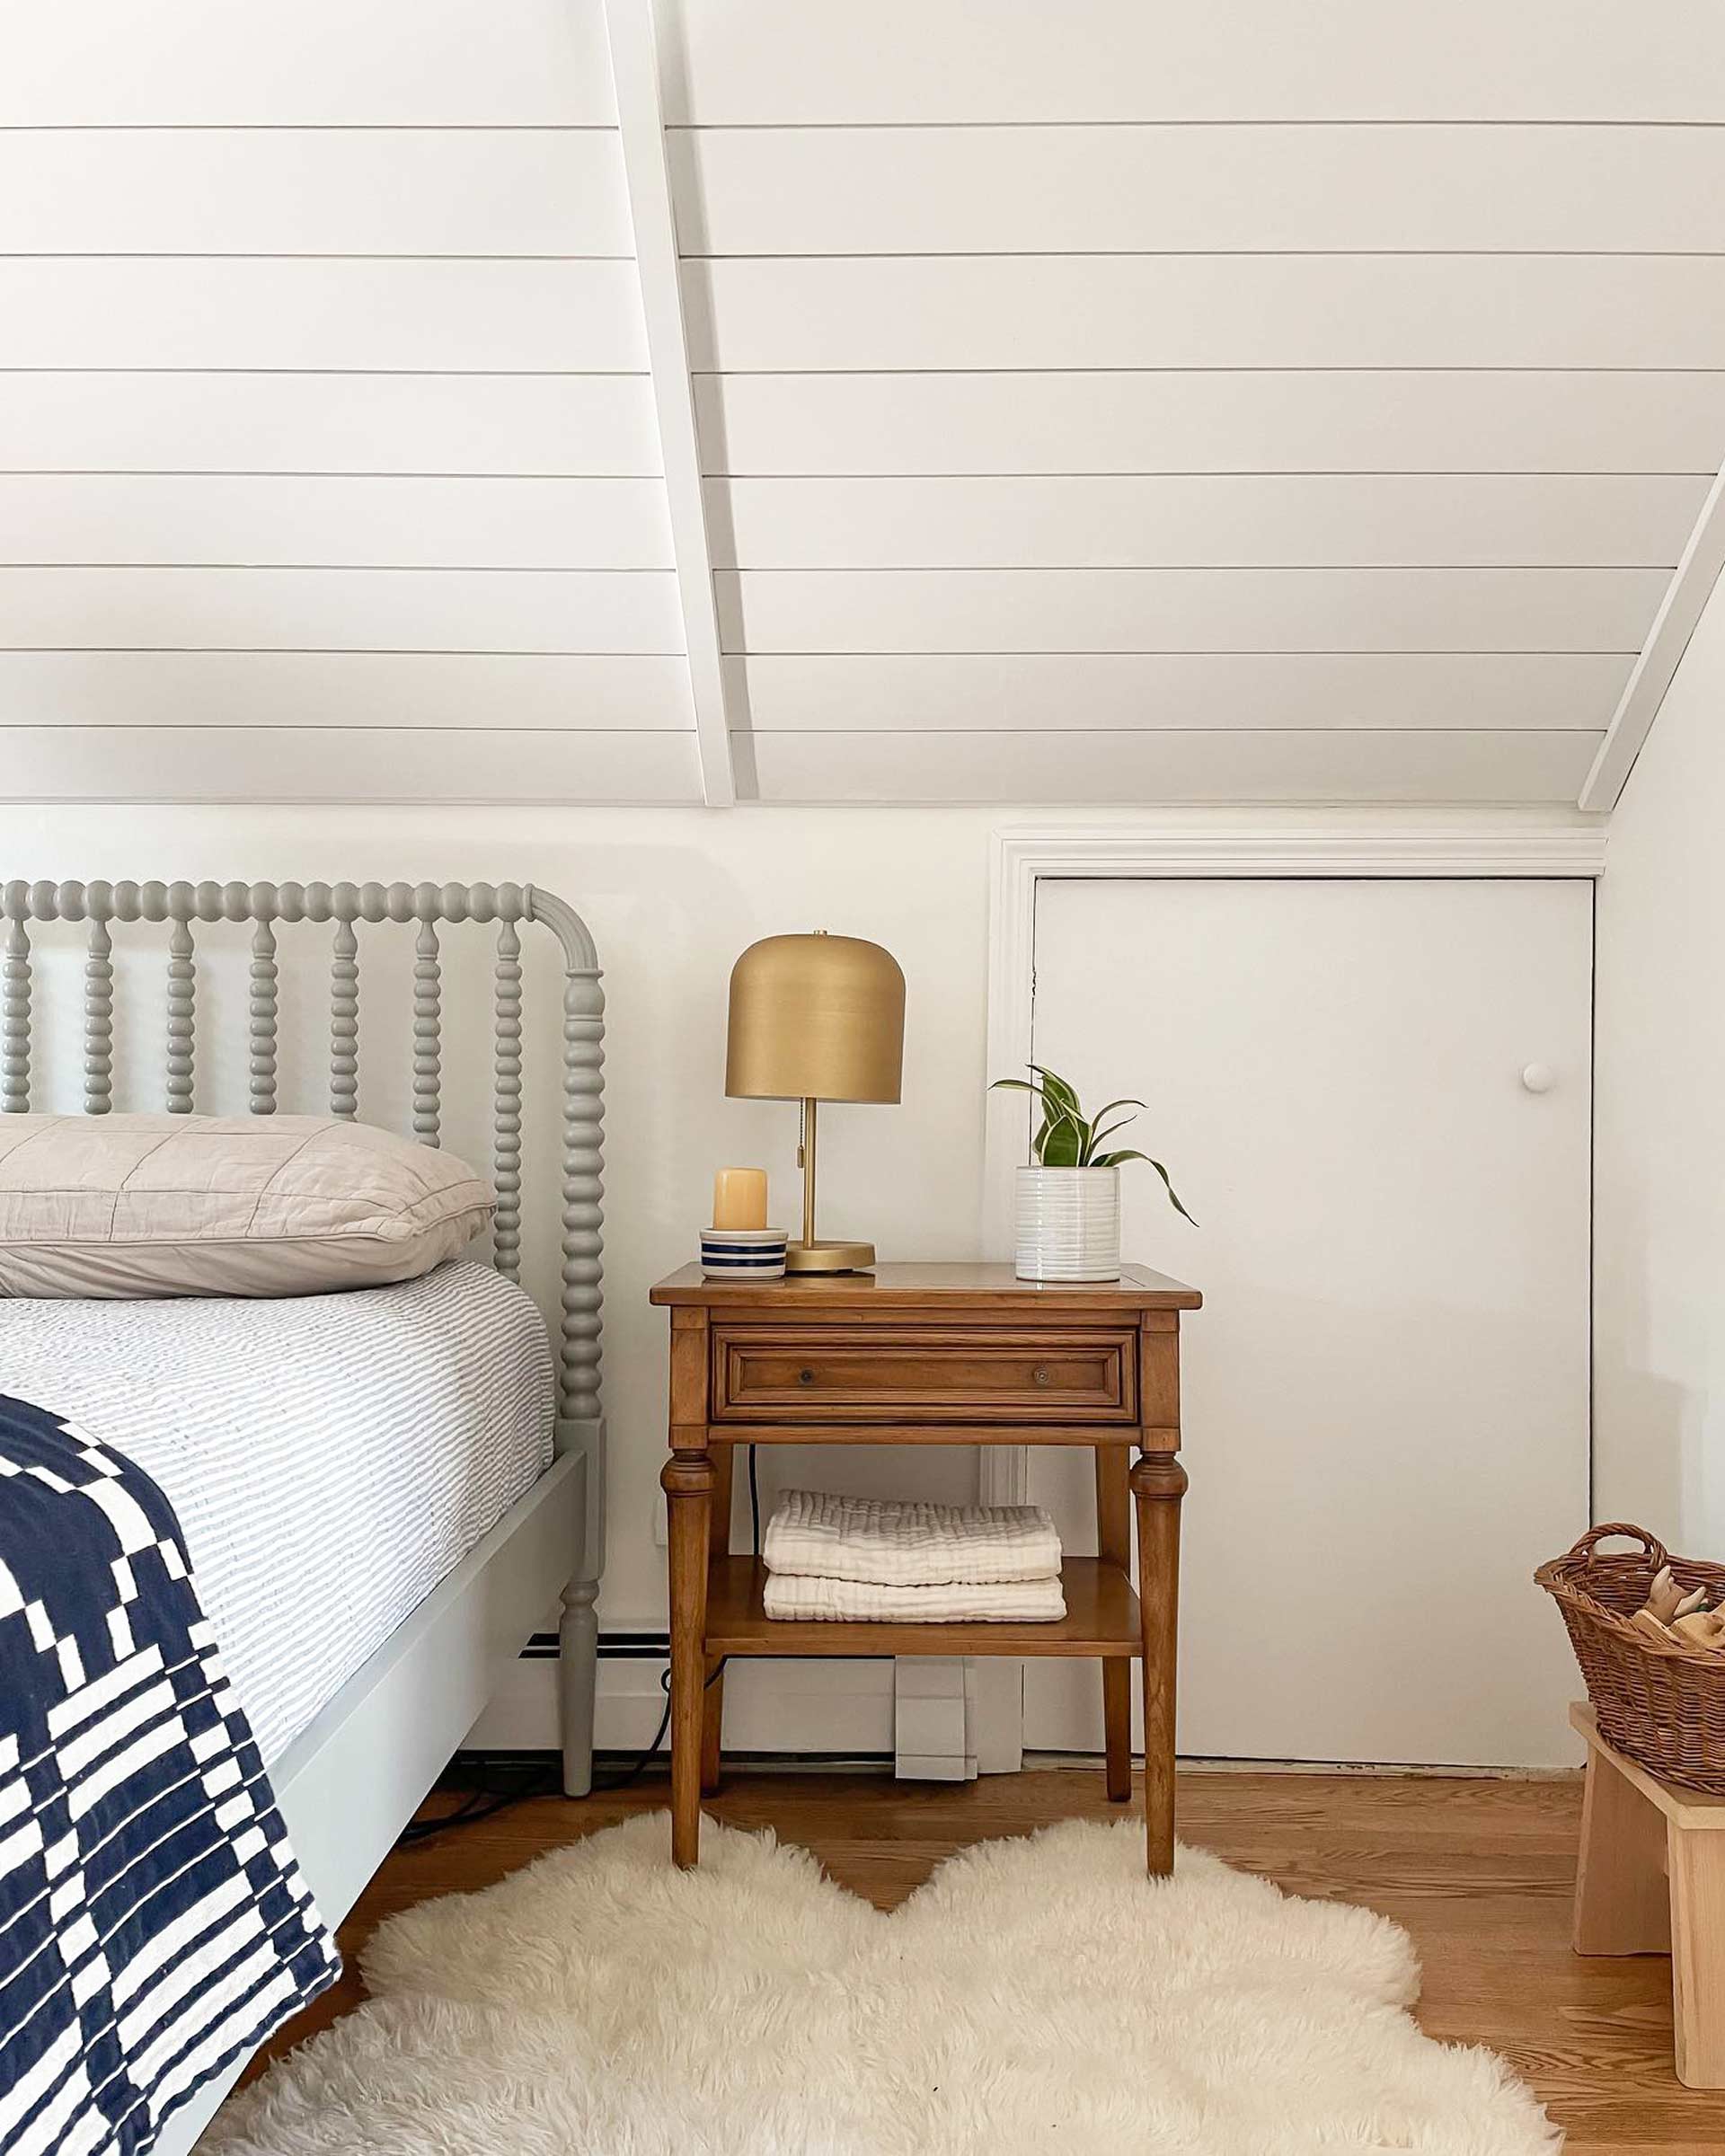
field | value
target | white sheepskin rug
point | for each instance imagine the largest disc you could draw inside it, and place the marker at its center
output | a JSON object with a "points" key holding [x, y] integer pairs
{"points": [[1035, 1996]]}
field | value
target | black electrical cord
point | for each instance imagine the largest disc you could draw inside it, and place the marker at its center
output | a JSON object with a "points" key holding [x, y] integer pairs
{"points": [[638, 1765], [479, 1804], [754, 1505], [486, 1803]]}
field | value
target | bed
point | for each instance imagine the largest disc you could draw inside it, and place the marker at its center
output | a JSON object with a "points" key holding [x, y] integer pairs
{"points": [[366, 1613]]}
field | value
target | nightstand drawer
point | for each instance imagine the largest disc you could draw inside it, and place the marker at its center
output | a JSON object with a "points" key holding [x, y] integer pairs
{"points": [[860, 1373]]}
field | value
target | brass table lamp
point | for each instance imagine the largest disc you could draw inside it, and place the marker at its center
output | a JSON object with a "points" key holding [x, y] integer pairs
{"points": [[816, 1018]]}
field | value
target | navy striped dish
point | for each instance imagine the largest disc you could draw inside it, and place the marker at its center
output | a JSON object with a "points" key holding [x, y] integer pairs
{"points": [[743, 1253]]}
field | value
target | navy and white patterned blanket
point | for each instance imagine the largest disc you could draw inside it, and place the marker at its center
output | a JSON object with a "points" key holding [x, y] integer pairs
{"points": [[154, 1926]]}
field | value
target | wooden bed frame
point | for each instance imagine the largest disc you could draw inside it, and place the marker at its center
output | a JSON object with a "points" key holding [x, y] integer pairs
{"points": [[349, 1781]]}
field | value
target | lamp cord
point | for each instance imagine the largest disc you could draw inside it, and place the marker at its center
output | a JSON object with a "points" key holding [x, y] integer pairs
{"points": [[484, 1803], [755, 1504], [638, 1765]]}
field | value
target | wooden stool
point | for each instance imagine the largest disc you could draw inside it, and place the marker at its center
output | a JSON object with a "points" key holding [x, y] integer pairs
{"points": [[1637, 1833]]}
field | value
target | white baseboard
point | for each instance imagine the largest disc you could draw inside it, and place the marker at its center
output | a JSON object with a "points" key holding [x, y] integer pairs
{"points": [[843, 1709]]}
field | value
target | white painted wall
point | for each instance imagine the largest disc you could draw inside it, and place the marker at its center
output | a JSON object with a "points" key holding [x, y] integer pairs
{"points": [[1660, 1206], [672, 897]]}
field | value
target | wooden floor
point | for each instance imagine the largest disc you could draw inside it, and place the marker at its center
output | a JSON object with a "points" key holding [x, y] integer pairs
{"points": [[1479, 1872]]}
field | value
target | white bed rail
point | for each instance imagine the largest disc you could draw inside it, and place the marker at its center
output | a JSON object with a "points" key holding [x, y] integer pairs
{"points": [[429, 907]]}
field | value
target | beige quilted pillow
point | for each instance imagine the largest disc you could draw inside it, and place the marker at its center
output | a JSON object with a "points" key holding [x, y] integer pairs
{"points": [[146, 1206]]}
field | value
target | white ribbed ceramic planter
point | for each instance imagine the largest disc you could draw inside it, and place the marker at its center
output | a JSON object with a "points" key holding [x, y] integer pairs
{"points": [[1068, 1221]]}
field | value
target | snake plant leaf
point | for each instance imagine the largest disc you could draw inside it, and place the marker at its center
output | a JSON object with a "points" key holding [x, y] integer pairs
{"points": [[1113, 1160], [1057, 1088], [1050, 1114], [1065, 1138], [1097, 1136], [1051, 1107], [1061, 1141]]}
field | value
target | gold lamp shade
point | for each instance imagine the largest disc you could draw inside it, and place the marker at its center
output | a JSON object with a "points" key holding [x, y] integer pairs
{"points": [[816, 1018]]}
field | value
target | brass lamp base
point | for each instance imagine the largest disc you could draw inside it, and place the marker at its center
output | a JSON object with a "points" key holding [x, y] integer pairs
{"points": [[829, 1258]]}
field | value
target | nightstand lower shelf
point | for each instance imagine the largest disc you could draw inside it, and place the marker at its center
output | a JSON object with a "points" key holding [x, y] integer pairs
{"points": [[1102, 1618]]}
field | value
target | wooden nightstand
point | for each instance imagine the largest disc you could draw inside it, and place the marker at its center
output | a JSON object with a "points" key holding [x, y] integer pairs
{"points": [[929, 1355]]}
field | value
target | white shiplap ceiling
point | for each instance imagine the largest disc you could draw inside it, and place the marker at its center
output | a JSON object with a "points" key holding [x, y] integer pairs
{"points": [[927, 401]]}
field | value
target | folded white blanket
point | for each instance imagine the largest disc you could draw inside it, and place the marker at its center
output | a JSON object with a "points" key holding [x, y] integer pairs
{"points": [[896, 1544], [793, 1594]]}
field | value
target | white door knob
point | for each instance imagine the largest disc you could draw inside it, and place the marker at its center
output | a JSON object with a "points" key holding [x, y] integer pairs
{"points": [[1538, 1077]]}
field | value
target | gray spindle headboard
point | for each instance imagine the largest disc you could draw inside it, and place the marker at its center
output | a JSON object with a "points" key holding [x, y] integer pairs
{"points": [[428, 905]]}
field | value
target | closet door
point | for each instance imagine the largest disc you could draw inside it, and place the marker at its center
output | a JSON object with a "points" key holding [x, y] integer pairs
{"points": [[1374, 1097]]}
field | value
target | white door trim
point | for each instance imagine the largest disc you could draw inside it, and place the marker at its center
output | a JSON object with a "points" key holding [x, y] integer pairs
{"points": [[1290, 843]]}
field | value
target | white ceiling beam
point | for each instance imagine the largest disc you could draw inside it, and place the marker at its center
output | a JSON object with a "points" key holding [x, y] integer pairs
{"points": [[1686, 594], [635, 66]]}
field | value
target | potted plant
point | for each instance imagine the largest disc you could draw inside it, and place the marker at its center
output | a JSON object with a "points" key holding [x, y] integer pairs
{"points": [[1067, 1206]]}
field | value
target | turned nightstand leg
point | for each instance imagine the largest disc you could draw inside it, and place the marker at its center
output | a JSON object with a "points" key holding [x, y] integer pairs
{"points": [[713, 1718], [1114, 1544], [688, 1480], [1158, 1483]]}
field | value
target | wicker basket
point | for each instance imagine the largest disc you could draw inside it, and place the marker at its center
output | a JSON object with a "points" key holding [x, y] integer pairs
{"points": [[1663, 1707]]}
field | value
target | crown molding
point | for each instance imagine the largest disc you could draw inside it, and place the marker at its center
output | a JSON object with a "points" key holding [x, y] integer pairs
{"points": [[1513, 843]]}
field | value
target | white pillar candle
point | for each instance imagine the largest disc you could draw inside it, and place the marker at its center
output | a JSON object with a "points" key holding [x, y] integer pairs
{"points": [[739, 1197]]}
